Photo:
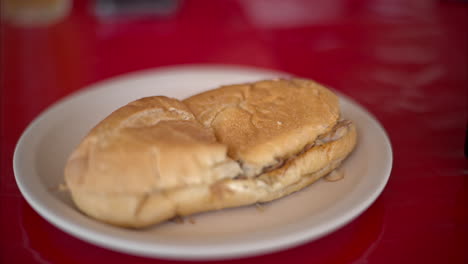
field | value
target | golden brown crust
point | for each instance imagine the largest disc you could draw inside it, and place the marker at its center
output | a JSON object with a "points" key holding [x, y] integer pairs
{"points": [[141, 147], [267, 120]]}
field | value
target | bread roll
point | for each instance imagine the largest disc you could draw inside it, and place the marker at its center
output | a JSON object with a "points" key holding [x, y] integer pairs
{"points": [[157, 157], [149, 146]]}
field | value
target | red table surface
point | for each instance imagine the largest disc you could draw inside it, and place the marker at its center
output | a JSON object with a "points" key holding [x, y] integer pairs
{"points": [[405, 61]]}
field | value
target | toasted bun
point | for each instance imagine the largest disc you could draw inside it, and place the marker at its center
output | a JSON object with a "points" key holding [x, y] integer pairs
{"points": [[268, 120], [157, 157], [147, 146]]}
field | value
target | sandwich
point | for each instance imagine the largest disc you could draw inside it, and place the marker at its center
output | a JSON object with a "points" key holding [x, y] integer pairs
{"points": [[158, 158]]}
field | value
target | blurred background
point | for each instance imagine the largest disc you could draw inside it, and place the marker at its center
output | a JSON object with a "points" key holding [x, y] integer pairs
{"points": [[386, 46], [406, 61]]}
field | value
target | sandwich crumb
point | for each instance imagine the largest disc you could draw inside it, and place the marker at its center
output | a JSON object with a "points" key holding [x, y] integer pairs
{"points": [[59, 188], [335, 175], [279, 123], [260, 207], [178, 219], [191, 220]]}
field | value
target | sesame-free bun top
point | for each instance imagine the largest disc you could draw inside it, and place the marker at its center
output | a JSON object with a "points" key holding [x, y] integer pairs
{"points": [[266, 121], [149, 145]]}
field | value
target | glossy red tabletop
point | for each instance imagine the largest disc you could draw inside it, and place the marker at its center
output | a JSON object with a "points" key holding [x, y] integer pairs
{"points": [[405, 61]]}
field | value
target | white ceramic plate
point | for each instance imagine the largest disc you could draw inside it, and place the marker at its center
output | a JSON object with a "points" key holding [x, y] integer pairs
{"points": [[303, 216]]}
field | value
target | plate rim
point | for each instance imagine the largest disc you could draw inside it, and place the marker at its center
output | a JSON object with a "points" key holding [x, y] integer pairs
{"points": [[191, 252]]}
